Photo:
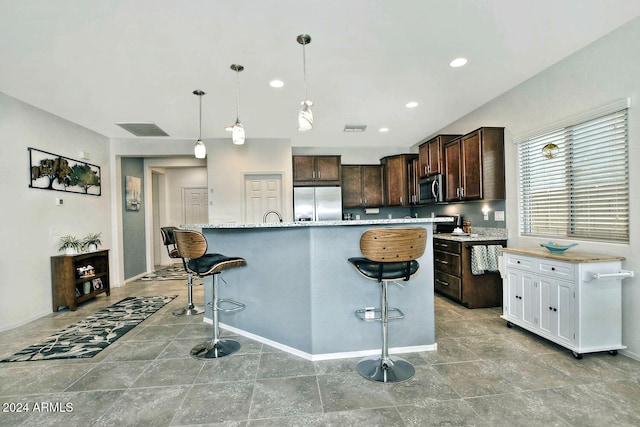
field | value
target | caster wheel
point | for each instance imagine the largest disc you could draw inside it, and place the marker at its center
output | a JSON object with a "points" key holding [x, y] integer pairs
{"points": [[613, 352], [509, 325], [577, 355]]}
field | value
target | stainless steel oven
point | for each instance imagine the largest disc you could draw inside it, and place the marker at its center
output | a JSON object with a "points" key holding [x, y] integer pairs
{"points": [[431, 189]]}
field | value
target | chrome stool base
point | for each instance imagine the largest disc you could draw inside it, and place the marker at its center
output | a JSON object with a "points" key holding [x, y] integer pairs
{"points": [[193, 310], [214, 350], [392, 370]]}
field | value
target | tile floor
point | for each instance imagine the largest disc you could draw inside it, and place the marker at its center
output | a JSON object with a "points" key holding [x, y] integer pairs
{"points": [[483, 374]]}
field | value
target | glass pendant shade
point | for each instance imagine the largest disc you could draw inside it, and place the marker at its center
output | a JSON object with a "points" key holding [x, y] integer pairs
{"points": [[237, 135], [305, 116], [200, 150]]}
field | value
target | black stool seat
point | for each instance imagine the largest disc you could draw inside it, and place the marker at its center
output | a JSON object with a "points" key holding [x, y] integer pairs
{"points": [[385, 270], [213, 263]]}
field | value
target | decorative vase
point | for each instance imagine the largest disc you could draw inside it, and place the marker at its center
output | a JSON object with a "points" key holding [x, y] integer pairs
{"points": [[93, 247], [70, 251]]}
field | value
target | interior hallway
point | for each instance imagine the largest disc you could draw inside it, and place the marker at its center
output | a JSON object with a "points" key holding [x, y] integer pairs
{"points": [[482, 374]]}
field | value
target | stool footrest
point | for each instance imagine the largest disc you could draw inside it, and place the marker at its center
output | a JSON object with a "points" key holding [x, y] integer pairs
{"points": [[373, 315], [235, 305]]}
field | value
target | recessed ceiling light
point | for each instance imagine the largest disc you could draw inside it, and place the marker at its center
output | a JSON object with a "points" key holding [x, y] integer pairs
{"points": [[412, 104], [458, 62], [276, 83], [383, 130]]}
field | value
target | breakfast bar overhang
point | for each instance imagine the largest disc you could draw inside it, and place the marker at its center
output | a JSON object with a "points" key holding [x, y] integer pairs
{"points": [[301, 292]]}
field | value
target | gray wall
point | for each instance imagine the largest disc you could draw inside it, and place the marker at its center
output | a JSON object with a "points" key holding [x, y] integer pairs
{"points": [[133, 223]]}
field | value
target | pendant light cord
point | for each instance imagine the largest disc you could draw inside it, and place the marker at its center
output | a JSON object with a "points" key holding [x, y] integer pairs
{"points": [[237, 95], [304, 69], [200, 131]]}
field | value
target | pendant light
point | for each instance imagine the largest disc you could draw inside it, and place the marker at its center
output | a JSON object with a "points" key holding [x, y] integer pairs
{"points": [[237, 135], [200, 149], [305, 116]]}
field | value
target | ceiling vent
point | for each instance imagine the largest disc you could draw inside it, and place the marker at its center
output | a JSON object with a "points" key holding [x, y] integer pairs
{"points": [[143, 129], [355, 128]]}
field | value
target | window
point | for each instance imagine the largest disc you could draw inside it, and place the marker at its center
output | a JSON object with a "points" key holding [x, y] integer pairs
{"points": [[575, 180]]}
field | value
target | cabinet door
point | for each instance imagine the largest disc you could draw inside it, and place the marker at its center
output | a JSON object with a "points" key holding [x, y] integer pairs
{"points": [[395, 181], [423, 156], [328, 168], [556, 309], [351, 186], [373, 185], [412, 177], [521, 300], [303, 168], [471, 166], [435, 156], [452, 165]]}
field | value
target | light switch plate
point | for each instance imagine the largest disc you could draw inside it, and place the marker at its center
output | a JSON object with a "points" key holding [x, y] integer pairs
{"points": [[498, 216]]}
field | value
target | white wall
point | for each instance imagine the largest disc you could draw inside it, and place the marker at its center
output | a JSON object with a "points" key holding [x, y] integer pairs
{"points": [[30, 215], [603, 72], [227, 164]]}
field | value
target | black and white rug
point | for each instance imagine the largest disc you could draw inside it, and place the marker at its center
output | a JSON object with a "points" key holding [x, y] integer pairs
{"points": [[92, 335], [172, 272]]}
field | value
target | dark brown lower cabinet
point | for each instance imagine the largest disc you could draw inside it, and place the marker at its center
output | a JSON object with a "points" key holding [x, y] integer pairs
{"points": [[453, 278]]}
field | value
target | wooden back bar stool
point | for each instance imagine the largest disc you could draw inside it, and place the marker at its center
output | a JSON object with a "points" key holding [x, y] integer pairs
{"points": [[389, 254], [192, 245], [169, 241]]}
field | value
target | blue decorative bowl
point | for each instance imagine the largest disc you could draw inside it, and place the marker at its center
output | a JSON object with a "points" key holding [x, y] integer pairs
{"points": [[555, 248]]}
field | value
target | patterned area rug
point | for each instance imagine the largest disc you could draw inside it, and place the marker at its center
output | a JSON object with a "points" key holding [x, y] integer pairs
{"points": [[92, 335], [172, 272]]}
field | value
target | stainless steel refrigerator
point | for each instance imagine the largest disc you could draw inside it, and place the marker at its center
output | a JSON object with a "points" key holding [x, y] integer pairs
{"points": [[317, 203]]}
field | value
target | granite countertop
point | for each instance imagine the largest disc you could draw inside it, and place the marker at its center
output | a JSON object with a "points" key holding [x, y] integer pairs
{"points": [[568, 256], [234, 225]]}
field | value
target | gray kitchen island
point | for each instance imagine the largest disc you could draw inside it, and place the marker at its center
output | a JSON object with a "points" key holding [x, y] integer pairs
{"points": [[301, 292]]}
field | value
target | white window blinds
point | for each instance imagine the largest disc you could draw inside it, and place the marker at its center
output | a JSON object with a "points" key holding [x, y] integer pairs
{"points": [[575, 181]]}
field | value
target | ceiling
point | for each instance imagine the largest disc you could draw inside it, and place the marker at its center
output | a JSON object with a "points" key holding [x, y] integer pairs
{"points": [[97, 63]]}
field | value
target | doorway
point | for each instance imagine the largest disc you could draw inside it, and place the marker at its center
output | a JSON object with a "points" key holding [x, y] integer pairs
{"points": [[262, 193]]}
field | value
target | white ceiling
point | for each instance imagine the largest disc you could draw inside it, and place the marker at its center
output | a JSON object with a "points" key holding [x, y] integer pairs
{"points": [[97, 62]]}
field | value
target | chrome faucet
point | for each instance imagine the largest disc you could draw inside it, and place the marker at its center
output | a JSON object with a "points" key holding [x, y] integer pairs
{"points": [[264, 218]]}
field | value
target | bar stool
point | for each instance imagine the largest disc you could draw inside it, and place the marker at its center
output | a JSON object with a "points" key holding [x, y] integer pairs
{"points": [[389, 254], [192, 245], [170, 243]]}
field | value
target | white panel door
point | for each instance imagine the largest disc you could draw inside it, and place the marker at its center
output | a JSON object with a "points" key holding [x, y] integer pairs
{"points": [[196, 205], [263, 193]]}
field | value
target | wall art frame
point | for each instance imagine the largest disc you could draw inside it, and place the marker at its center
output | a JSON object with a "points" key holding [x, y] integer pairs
{"points": [[132, 193], [49, 171]]}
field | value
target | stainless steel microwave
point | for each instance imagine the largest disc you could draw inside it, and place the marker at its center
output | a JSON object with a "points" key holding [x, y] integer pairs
{"points": [[431, 189]]}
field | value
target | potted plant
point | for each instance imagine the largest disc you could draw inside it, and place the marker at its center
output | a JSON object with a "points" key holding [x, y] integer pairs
{"points": [[91, 242], [70, 244]]}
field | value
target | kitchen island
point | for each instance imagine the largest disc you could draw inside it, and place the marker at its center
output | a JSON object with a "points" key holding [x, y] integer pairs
{"points": [[301, 292]]}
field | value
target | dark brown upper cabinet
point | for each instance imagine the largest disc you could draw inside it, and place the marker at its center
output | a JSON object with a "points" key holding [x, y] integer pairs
{"points": [[474, 166], [316, 170]]}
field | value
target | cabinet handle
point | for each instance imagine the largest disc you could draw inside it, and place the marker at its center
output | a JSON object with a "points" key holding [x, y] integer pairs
{"points": [[442, 282], [462, 192], [518, 262], [442, 261], [400, 199], [458, 192], [553, 269]]}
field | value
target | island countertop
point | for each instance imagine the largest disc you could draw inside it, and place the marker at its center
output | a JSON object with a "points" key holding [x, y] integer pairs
{"points": [[394, 221]]}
